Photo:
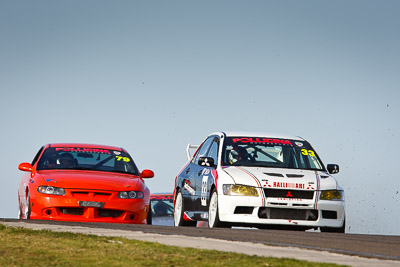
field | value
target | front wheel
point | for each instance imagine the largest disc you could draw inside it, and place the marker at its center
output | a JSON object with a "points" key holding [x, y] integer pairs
{"points": [[213, 216], [149, 215], [27, 211], [19, 210], [179, 212]]}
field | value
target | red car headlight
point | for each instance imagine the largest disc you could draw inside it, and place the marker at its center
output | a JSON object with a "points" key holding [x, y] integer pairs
{"points": [[130, 195], [50, 190]]}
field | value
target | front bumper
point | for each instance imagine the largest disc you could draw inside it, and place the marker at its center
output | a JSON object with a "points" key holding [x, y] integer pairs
{"points": [[67, 208], [287, 212]]}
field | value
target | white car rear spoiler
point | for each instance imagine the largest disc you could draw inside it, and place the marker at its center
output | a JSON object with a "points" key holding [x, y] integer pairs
{"points": [[189, 146]]}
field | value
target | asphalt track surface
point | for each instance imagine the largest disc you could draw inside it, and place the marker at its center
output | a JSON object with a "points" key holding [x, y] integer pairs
{"points": [[379, 250]]}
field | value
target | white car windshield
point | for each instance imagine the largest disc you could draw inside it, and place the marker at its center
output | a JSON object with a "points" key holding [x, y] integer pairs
{"points": [[270, 152]]}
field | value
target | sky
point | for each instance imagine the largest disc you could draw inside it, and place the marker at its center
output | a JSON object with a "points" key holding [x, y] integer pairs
{"points": [[153, 76]]}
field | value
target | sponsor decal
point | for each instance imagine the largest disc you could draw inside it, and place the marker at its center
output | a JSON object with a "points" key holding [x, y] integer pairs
{"points": [[266, 184], [204, 215], [163, 197], [300, 144], [310, 186], [189, 189], [117, 152], [206, 171], [80, 149], [261, 140], [288, 185], [204, 183], [290, 199], [48, 180]]}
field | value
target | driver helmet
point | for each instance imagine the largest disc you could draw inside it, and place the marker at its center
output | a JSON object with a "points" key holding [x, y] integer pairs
{"points": [[237, 154], [66, 159]]}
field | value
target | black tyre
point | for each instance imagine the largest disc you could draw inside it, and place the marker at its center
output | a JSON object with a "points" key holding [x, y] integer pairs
{"points": [[149, 215], [179, 212]]}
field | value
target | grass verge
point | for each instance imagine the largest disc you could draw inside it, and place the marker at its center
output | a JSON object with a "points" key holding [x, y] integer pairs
{"points": [[25, 247]]}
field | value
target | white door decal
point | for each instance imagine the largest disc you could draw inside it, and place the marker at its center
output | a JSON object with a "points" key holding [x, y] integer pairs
{"points": [[204, 191]]}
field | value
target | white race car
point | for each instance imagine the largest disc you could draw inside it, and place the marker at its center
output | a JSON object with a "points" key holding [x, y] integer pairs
{"points": [[260, 180]]}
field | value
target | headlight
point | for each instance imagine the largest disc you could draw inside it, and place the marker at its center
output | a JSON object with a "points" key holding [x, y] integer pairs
{"points": [[331, 195], [239, 190], [130, 194], [51, 190]]}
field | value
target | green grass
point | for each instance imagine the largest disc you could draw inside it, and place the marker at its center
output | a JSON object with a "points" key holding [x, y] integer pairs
{"points": [[25, 247]]}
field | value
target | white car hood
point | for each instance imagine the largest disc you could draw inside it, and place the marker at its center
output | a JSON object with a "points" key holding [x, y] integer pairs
{"points": [[281, 178]]}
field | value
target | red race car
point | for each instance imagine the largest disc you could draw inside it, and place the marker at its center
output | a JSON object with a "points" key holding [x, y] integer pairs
{"points": [[87, 183]]}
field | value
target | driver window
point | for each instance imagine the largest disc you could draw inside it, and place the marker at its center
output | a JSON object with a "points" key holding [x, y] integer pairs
{"points": [[203, 149], [213, 153]]}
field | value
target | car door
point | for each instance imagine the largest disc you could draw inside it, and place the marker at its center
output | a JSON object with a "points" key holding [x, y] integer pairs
{"points": [[193, 173], [204, 179]]}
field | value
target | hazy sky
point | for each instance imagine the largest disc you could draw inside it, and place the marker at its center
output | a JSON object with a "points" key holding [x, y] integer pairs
{"points": [[153, 76]]}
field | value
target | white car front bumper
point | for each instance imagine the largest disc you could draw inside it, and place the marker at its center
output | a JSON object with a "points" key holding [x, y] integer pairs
{"points": [[273, 211]]}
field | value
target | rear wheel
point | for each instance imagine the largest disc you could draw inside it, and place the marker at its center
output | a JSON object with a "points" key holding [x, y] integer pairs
{"points": [[179, 212], [213, 212]]}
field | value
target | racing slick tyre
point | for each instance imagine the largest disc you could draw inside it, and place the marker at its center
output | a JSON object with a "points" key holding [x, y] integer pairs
{"points": [[334, 230], [213, 216], [179, 212], [27, 211], [149, 215]]}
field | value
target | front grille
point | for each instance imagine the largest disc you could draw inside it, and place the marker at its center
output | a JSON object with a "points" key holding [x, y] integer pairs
{"points": [[288, 193], [102, 194], [72, 211], [288, 214], [110, 213], [79, 193]]}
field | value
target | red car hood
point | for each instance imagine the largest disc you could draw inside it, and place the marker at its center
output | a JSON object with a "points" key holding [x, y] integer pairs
{"points": [[89, 180]]}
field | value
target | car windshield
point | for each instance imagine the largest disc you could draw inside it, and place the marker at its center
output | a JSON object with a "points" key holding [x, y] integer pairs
{"points": [[270, 152], [162, 205], [81, 158]]}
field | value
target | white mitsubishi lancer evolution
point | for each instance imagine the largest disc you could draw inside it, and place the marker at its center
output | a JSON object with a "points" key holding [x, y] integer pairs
{"points": [[259, 180]]}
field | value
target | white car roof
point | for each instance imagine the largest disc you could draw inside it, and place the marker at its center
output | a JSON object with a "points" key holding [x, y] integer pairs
{"points": [[257, 134]]}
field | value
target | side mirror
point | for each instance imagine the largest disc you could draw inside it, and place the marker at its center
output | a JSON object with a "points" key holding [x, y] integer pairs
{"points": [[147, 174], [25, 166], [206, 161], [333, 168]]}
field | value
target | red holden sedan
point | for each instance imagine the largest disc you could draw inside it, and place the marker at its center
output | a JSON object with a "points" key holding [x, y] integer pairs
{"points": [[87, 183]]}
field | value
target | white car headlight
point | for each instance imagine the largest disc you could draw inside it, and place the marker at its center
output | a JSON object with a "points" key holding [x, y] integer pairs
{"points": [[331, 195], [50, 190], [239, 190]]}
